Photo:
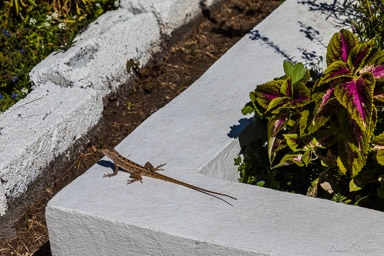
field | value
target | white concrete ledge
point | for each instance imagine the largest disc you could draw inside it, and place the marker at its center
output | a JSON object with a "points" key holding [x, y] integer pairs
{"points": [[66, 103], [98, 216]]}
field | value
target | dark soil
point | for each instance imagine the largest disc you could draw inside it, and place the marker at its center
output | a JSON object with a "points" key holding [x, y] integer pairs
{"points": [[153, 87]]}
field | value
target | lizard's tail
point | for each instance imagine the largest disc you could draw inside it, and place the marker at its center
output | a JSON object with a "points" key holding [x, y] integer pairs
{"points": [[166, 178]]}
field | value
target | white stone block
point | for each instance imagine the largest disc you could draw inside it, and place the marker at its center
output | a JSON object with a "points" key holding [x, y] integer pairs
{"points": [[40, 128], [99, 55], [170, 14]]}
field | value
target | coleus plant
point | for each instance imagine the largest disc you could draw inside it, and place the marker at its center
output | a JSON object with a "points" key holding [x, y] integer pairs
{"points": [[328, 121]]}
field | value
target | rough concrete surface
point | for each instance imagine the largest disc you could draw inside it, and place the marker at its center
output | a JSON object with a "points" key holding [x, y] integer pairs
{"points": [[46, 133], [170, 14], [99, 57], [195, 133]]}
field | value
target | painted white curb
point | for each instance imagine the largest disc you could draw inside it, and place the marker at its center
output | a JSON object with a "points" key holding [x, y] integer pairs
{"points": [[69, 86], [99, 216]]}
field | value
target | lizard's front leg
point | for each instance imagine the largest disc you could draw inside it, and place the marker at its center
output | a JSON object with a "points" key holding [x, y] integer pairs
{"points": [[135, 177], [150, 167], [116, 170]]}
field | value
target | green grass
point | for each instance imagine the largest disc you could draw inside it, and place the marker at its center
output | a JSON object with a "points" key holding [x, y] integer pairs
{"points": [[31, 30]]}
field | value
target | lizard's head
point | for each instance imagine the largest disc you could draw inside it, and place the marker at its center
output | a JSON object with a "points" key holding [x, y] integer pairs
{"points": [[105, 151]]}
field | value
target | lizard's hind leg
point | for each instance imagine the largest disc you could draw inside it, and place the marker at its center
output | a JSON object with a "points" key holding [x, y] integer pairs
{"points": [[150, 167], [135, 177]]}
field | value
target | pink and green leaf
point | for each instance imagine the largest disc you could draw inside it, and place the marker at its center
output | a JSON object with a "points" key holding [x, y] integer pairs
{"points": [[292, 141], [277, 94], [350, 158], [379, 97], [358, 55], [286, 88], [377, 59], [376, 71], [289, 159], [337, 69], [306, 157], [276, 104], [275, 144], [322, 99], [340, 46], [265, 93], [301, 95], [353, 144], [356, 96], [325, 105], [276, 124]]}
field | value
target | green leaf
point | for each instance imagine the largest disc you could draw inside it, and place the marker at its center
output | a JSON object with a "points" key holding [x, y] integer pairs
{"points": [[341, 165], [297, 71], [260, 183], [378, 144], [312, 190], [378, 141], [259, 109], [303, 121], [99, 12], [353, 187], [248, 108], [291, 141], [289, 159], [306, 157], [380, 192]]}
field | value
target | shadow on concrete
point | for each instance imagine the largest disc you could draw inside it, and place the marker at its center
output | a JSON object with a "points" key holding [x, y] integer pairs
{"points": [[311, 59], [237, 129], [339, 10], [254, 34], [247, 132], [108, 164]]}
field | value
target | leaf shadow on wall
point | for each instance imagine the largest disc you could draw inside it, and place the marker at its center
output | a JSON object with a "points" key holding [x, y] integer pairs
{"points": [[340, 11]]}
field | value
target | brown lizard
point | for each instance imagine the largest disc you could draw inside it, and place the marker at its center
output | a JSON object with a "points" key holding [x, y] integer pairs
{"points": [[136, 171]]}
